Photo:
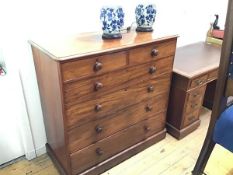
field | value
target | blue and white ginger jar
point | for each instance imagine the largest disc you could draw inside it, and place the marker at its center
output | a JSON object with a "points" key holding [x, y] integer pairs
{"points": [[145, 17], [112, 19]]}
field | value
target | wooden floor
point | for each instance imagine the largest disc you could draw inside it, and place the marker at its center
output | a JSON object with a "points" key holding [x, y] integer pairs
{"points": [[168, 157]]}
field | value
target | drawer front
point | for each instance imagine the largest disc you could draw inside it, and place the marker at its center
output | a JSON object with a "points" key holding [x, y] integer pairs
{"points": [[190, 118], [196, 95], [213, 75], [74, 70], [193, 105], [99, 129], [116, 143], [152, 52], [95, 87], [198, 81], [93, 109]]}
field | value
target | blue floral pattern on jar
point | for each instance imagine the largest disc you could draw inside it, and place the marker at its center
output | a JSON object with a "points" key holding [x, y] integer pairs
{"points": [[145, 15], [112, 19]]}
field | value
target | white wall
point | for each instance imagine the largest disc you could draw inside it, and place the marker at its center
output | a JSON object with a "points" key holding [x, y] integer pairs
{"points": [[21, 20]]}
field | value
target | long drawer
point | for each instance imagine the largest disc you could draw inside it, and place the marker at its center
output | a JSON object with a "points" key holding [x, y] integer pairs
{"points": [[102, 150], [99, 129], [108, 104], [95, 87]]}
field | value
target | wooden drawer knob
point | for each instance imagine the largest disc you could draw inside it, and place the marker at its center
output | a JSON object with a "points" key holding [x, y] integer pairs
{"points": [[152, 69], [146, 128], [154, 53], [98, 86], [98, 129], [148, 108], [99, 151], [98, 107], [194, 105], [195, 95], [98, 66], [199, 82], [150, 89]]}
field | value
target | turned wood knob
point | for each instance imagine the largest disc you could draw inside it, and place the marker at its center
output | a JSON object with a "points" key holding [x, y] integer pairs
{"points": [[152, 69], [99, 151], [154, 53], [146, 128], [150, 89], [98, 129], [98, 86], [98, 107], [193, 105], [148, 108], [199, 82], [195, 95], [98, 66]]}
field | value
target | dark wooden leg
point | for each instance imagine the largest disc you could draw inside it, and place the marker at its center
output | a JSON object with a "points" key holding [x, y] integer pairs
{"points": [[204, 155]]}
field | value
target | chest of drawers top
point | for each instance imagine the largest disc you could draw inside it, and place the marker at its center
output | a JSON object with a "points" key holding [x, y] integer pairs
{"points": [[90, 44]]}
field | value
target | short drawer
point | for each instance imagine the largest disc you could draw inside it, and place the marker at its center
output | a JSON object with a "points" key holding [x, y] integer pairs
{"points": [[193, 105], [190, 118], [197, 94], [77, 69], [198, 81], [95, 87], [152, 52], [213, 75], [93, 109], [108, 147], [94, 131]]}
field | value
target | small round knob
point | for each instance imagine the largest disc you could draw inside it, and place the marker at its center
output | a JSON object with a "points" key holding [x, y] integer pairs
{"points": [[154, 53], [193, 105], [152, 69], [98, 66], [98, 129], [195, 95], [98, 86], [150, 89], [146, 128], [99, 151], [98, 107], [148, 108]]}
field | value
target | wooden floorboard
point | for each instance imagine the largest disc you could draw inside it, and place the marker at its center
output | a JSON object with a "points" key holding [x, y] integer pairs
{"points": [[168, 157]]}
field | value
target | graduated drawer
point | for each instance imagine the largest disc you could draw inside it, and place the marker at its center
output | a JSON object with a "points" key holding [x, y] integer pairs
{"points": [[193, 105], [108, 147], [76, 69], [191, 117], [152, 52], [199, 81], [213, 75], [108, 104], [97, 86], [197, 94], [94, 131]]}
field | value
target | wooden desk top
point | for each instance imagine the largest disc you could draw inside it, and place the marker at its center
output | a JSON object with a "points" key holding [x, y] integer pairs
{"points": [[87, 44], [196, 59]]}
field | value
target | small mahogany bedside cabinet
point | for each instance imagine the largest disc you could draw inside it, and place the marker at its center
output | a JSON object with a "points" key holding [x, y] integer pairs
{"points": [[194, 74], [103, 101]]}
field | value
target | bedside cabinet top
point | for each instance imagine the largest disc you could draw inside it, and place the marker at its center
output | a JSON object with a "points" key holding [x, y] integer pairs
{"points": [[195, 59], [87, 44]]}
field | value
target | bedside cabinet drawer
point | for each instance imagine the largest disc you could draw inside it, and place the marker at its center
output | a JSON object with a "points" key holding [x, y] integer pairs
{"points": [[99, 129], [114, 144], [74, 70], [193, 105], [198, 81], [152, 52], [197, 94], [212, 75], [190, 118]]}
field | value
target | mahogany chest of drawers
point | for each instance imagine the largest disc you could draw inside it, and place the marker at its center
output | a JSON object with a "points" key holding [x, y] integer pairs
{"points": [[103, 101]]}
